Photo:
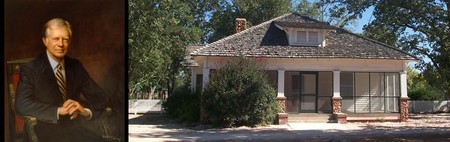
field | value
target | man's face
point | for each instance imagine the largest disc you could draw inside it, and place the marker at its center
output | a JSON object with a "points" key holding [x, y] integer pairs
{"points": [[57, 42]]}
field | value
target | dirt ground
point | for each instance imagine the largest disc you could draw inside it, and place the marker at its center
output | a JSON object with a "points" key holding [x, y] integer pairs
{"points": [[419, 128]]}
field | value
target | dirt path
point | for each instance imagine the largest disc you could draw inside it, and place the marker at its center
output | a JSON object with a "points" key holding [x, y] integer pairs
{"points": [[433, 128]]}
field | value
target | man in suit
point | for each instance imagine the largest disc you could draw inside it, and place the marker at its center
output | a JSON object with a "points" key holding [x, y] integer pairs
{"points": [[50, 89]]}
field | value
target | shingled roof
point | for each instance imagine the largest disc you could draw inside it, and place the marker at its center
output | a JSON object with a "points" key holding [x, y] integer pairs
{"points": [[266, 40]]}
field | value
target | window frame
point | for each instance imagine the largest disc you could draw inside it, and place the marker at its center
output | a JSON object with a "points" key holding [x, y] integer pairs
{"points": [[308, 39], [383, 95]]}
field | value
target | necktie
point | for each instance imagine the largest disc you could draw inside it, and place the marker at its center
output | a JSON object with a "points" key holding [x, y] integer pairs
{"points": [[61, 81]]}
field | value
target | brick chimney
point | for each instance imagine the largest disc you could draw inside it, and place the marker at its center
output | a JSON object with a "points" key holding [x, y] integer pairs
{"points": [[240, 24]]}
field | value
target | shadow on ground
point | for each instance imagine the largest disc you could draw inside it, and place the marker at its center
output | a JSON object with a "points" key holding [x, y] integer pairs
{"points": [[167, 129]]}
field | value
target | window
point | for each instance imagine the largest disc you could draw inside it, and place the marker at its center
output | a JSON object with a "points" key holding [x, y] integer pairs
{"points": [[313, 37], [198, 82], [346, 84], [301, 36], [392, 91], [307, 37], [347, 91], [362, 99], [370, 92], [377, 92]]}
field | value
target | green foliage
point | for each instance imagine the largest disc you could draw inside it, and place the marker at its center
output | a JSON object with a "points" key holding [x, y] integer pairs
{"points": [[326, 11], [311, 10], [381, 33], [239, 95], [424, 93], [422, 27], [183, 105], [336, 14], [159, 30], [420, 89]]}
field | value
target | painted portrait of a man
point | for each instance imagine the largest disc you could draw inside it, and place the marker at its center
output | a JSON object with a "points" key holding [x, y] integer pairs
{"points": [[65, 67]]}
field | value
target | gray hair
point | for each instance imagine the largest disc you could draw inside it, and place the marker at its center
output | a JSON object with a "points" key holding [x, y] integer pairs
{"points": [[59, 22]]}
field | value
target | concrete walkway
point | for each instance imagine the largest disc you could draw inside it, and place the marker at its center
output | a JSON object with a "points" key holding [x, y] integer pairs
{"points": [[162, 128]]}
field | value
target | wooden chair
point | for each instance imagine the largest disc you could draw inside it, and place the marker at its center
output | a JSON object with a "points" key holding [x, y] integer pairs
{"points": [[29, 121], [105, 126]]}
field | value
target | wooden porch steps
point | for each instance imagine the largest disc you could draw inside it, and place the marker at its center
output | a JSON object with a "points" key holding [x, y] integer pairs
{"points": [[311, 118]]}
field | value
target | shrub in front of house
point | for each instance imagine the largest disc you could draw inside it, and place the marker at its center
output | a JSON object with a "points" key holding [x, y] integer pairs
{"points": [[238, 94], [183, 105]]}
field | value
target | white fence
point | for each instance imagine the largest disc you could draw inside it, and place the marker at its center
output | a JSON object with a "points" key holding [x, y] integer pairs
{"points": [[144, 106], [429, 106]]}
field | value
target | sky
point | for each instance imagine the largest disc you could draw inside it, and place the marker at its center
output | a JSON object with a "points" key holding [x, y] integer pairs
{"points": [[367, 17], [358, 27]]}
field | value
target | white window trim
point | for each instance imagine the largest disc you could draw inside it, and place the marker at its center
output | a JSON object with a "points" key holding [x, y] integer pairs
{"points": [[308, 41], [292, 36]]}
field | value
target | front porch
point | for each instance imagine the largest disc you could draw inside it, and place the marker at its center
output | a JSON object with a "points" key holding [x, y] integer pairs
{"points": [[343, 96], [338, 87]]}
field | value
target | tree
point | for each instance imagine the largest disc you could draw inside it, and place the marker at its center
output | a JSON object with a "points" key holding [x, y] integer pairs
{"points": [[420, 89], [422, 27], [311, 10], [158, 34], [201, 10], [141, 55], [326, 12], [381, 33], [254, 11]]}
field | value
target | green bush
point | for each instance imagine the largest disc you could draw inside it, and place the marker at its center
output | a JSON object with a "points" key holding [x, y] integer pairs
{"points": [[183, 105], [420, 89], [424, 93], [238, 94]]}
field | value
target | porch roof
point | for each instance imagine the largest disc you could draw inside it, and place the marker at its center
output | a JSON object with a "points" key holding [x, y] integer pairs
{"points": [[266, 40]]}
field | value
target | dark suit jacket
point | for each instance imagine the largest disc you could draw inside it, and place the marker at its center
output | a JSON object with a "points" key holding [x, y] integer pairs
{"points": [[38, 93]]}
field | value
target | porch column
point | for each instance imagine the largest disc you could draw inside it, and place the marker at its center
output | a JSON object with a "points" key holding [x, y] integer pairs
{"points": [[205, 77], [193, 77], [280, 95], [203, 115], [403, 85], [337, 99], [337, 84], [404, 114], [283, 116]]}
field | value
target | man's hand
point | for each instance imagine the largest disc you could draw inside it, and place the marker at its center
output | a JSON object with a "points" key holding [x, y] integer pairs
{"points": [[73, 108], [63, 111]]}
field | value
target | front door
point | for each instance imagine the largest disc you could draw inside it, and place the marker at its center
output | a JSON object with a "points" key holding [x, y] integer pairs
{"points": [[301, 92], [308, 92]]}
